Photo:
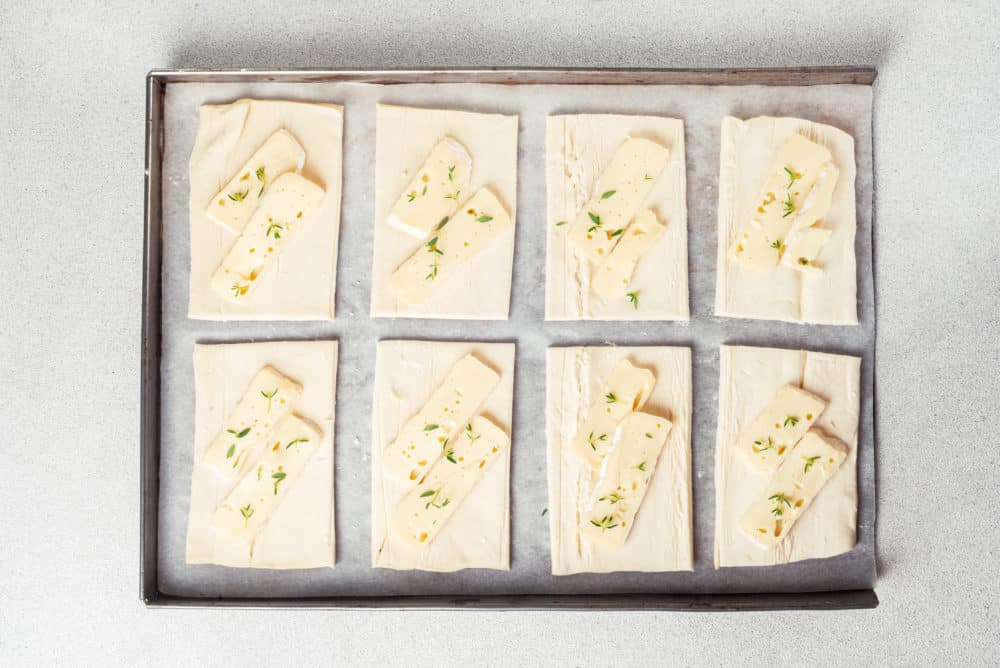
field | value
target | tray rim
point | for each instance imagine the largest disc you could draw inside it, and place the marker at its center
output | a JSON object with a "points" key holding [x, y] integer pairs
{"points": [[149, 418]]}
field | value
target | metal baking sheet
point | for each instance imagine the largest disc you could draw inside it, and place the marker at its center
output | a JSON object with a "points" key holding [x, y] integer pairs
{"points": [[838, 96]]}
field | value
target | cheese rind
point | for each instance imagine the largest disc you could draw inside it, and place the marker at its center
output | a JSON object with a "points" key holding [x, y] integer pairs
{"points": [[774, 432], [426, 509], [624, 479], [435, 191], [626, 390], [285, 207], [612, 278], [619, 192], [797, 191], [246, 509], [422, 440], [454, 242], [792, 488], [233, 206], [269, 397]]}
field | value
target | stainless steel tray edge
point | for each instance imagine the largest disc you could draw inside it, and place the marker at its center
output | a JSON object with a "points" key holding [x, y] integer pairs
{"points": [[149, 443]]}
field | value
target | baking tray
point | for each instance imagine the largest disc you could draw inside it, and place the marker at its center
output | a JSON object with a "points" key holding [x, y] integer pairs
{"points": [[751, 596]]}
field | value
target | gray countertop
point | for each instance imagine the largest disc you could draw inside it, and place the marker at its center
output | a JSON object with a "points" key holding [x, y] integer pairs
{"points": [[71, 162]]}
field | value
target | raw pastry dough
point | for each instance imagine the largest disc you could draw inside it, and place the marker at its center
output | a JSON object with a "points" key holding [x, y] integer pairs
{"points": [[823, 297], [477, 535], [749, 379], [578, 148], [299, 533], [661, 537], [301, 285], [404, 138]]}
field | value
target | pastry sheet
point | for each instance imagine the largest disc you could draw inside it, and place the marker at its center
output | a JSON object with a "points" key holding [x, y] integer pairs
{"points": [[702, 109]]}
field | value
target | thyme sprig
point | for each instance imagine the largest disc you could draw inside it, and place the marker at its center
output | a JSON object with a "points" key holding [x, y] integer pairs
{"points": [[269, 397], [779, 499], [278, 477], [605, 523], [809, 463]]}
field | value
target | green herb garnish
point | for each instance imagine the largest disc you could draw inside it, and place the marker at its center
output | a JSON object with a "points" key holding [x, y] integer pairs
{"points": [[608, 193], [647, 177], [792, 177], [562, 222], [273, 228], [789, 206], [590, 440], [761, 447], [451, 173], [239, 434], [484, 219], [545, 511], [453, 196], [247, 512], [269, 397], [238, 196], [607, 522], [432, 247], [809, 462], [230, 451], [610, 398], [296, 440], [779, 499], [468, 432], [442, 223], [791, 420], [260, 177], [278, 477], [430, 427], [595, 219], [634, 298], [617, 232], [612, 498], [433, 273], [776, 245], [641, 466], [433, 494]]}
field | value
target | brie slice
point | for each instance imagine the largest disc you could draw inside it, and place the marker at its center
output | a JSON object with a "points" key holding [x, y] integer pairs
{"points": [[620, 190], [453, 243], [792, 488], [625, 475], [435, 191], [426, 509], [424, 438], [235, 203], [286, 206], [269, 398]]}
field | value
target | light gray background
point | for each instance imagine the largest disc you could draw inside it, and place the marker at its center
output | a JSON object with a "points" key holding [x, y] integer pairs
{"points": [[71, 118]]}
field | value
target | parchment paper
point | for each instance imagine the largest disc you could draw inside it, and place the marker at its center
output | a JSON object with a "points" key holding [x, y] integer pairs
{"points": [[702, 109]]}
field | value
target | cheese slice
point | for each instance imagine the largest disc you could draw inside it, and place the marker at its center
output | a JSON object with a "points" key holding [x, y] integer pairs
{"points": [[792, 488], [291, 444], [774, 432], [269, 398], [235, 203], [435, 191], [447, 253], [286, 206], [797, 191], [627, 389], [424, 437], [620, 190], [624, 479], [803, 249], [611, 279], [426, 509]]}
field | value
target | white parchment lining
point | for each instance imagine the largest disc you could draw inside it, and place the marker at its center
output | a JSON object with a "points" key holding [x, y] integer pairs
{"points": [[702, 109]]}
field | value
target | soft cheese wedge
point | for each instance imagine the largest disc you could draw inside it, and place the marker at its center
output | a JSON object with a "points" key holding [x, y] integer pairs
{"points": [[620, 190], [611, 279], [454, 242], [792, 488], [627, 389], [771, 436], [424, 438], [803, 248], [235, 203], [285, 207], [625, 475], [797, 191], [267, 400], [435, 190], [426, 509], [292, 442]]}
